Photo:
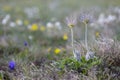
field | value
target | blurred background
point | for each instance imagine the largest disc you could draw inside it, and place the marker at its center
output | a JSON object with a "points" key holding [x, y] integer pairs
{"points": [[48, 9], [42, 23]]}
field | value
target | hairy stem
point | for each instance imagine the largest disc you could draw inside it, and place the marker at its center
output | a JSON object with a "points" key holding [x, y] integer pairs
{"points": [[72, 38], [4, 31], [86, 42]]}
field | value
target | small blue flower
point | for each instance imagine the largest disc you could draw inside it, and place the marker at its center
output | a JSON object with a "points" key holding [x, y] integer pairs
{"points": [[12, 65], [25, 43]]}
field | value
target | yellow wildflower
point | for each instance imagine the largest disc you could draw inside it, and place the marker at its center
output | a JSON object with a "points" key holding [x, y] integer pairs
{"points": [[65, 37], [57, 51], [97, 34], [34, 27], [26, 22], [42, 28]]}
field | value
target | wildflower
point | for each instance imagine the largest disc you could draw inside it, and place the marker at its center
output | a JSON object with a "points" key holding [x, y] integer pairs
{"points": [[42, 28], [57, 51], [12, 24], [19, 22], [86, 18], [30, 37], [49, 25], [58, 25], [34, 27], [101, 19], [25, 43], [71, 21], [26, 22], [111, 18], [65, 37], [97, 34], [6, 19], [12, 65]]}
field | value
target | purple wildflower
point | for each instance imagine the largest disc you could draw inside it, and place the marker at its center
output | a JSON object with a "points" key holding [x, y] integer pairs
{"points": [[86, 18], [12, 65], [25, 43], [71, 21]]}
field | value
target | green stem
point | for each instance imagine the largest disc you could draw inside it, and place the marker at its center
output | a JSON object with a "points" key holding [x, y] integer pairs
{"points": [[86, 42], [72, 39], [4, 27]]}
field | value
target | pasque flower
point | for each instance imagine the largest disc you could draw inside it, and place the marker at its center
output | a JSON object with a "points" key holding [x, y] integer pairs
{"points": [[71, 21], [86, 18]]}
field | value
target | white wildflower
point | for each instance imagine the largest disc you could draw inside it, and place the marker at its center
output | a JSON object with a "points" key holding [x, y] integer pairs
{"points": [[5, 20], [19, 22], [49, 25], [12, 24]]}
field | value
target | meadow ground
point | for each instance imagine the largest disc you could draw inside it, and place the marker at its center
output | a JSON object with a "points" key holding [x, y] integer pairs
{"points": [[59, 40]]}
